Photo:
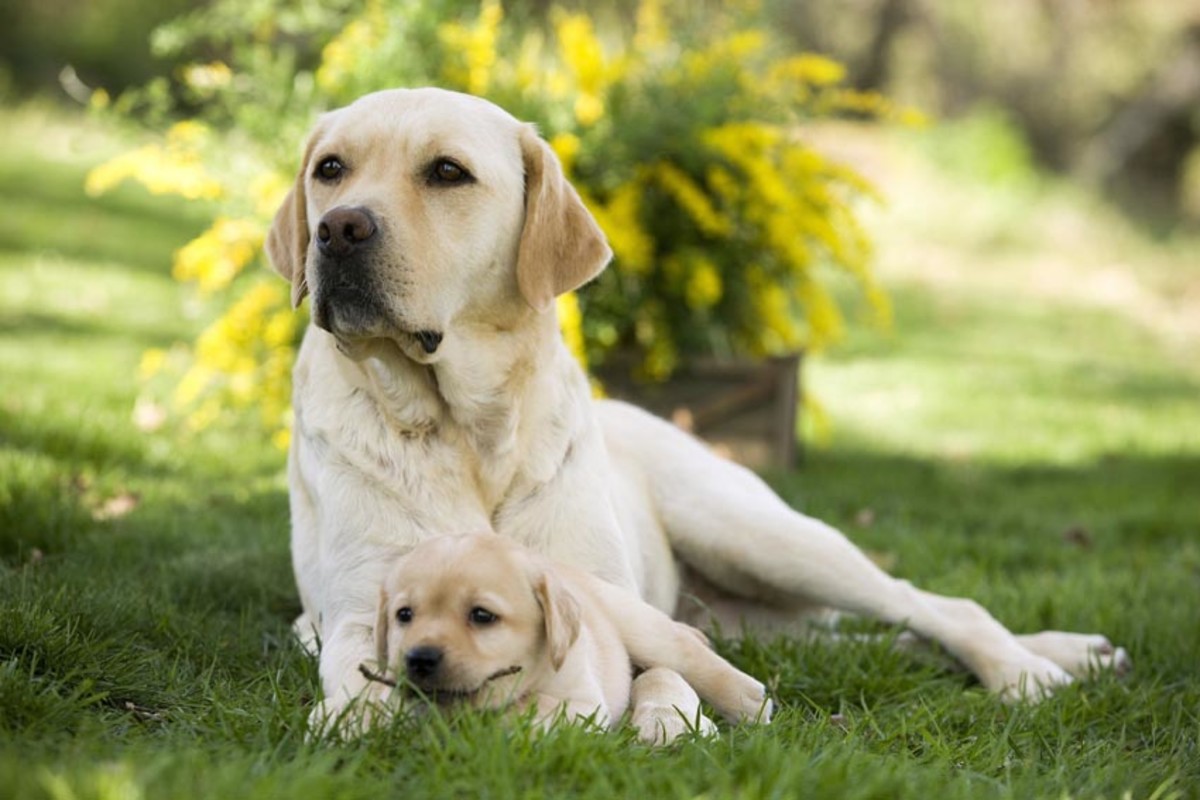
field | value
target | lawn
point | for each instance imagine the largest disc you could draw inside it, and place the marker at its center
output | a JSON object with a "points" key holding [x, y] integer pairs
{"points": [[1028, 434]]}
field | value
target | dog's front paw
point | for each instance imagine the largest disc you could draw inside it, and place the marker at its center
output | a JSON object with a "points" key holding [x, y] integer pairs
{"points": [[350, 718], [660, 725], [1030, 679]]}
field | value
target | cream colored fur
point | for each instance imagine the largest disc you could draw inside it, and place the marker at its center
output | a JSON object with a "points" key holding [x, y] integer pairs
{"points": [[435, 395]]}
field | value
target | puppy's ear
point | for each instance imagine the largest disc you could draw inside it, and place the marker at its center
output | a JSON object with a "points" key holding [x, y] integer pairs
{"points": [[382, 622], [561, 247], [287, 241], [561, 613]]}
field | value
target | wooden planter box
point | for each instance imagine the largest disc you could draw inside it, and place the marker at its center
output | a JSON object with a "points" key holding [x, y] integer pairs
{"points": [[747, 410]]}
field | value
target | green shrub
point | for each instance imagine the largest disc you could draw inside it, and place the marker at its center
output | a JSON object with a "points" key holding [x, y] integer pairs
{"points": [[684, 134]]}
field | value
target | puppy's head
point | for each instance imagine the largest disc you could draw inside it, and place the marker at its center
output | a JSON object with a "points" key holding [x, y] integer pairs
{"points": [[417, 211], [473, 619]]}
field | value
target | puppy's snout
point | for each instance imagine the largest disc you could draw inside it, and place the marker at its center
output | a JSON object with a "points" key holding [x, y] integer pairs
{"points": [[344, 229], [422, 662]]}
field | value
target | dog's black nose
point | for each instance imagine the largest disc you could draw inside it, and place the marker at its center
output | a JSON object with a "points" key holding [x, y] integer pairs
{"points": [[342, 230], [422, 662], [429, 341]]}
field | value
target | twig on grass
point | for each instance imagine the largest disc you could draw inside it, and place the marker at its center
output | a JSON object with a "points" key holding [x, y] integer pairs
{"points": [[375, 677]]}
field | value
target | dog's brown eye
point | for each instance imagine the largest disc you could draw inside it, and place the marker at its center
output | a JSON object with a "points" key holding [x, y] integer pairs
{"points": [[446, 171], [330, 169], [404, 615], [481, 616]]}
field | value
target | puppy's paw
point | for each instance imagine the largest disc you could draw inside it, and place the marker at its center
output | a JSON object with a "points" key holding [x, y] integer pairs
{"points": [[742, 700], [349, 719], [1080, 654], [660, 725]]}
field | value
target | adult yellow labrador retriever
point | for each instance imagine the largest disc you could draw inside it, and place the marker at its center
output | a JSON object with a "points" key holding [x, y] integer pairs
{"points": [[433, 394]]}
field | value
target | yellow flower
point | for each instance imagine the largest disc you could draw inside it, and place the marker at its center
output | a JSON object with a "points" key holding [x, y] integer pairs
{"points": [[724, 184], [807, 68], [267, 192], [620, 219], [529, 71], [341, 58], [651, 32], [704, 287], [281, 328], [825, 322], [474, 47], [282, 438], [214, 258], [692, 199], [745, 43], [173, 168], [207, 78], [589, 108], [151, 363], [191, 385], [571, 322], [566, 147], [581, 52]]}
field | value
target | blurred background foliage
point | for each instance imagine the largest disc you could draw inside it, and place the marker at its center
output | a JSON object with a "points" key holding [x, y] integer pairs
{"points": [[1105, 88], [682, 132], [682, 123]]}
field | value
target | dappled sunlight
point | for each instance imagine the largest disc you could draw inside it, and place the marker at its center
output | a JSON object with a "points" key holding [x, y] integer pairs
{"points": [[1034, 322]]}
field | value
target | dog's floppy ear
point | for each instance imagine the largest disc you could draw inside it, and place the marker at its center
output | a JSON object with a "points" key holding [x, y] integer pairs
{"points": [[561, 613], [382, 621], [561, 247], [287, 241]]}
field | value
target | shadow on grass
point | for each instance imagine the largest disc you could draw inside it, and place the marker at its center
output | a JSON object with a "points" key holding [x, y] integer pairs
{"points": [[34, 324]]}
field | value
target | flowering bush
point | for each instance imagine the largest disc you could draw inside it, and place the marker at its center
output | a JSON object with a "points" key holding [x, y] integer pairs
{"points": [[683, 135]]}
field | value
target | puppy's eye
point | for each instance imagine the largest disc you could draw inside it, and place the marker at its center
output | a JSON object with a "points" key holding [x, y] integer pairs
{"points": [[481, 616], [404, 615], [329, 169], [448, 173]]}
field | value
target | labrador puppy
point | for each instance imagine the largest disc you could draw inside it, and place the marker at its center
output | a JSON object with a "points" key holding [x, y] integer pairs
{"points": [[433, 392], [480, 620]]}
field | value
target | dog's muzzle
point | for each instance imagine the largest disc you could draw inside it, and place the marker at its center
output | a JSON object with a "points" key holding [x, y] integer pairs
{"points": [[345, 301]]}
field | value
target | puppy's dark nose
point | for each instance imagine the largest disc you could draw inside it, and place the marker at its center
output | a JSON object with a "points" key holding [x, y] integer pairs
{"points": [[422, 662], [343, 230]]}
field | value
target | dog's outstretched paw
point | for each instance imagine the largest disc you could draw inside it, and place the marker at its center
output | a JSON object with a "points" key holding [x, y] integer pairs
{"points": [[1080, 654]]}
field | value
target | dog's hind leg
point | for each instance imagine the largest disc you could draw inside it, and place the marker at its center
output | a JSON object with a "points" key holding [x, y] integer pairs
{"points": [[654, 640], [723, 521]]}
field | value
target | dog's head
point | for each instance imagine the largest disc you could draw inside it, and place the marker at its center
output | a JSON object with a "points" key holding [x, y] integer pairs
{"points": [[417, 211], [474, 619]]}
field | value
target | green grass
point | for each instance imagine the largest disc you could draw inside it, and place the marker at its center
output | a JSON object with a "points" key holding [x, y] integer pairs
{"points": [[1035, 447]]}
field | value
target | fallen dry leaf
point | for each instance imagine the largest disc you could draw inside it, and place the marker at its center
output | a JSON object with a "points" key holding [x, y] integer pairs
{"points": [[148, 416], [116, 507], [1078, 536]]}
